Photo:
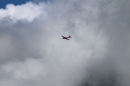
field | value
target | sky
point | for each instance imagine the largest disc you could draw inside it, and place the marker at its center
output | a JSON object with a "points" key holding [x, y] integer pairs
{"points": [[3, 3], [33, 53]]}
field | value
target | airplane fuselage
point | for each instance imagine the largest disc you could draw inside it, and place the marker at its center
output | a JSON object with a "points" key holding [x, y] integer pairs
{"points": [[67, 38]]}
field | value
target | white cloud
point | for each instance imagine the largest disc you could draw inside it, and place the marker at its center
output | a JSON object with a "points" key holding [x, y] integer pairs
{"points": [[30, 69], [28, 11]]}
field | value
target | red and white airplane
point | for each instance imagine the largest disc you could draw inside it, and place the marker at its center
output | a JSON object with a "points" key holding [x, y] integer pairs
{"points": [[67, 38]]}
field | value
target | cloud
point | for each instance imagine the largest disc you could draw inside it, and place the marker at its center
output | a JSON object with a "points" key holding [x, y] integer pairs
{"points": [[32, 51], [28, 11]]}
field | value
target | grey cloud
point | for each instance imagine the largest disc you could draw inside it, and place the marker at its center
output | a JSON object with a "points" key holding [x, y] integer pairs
{"points": [[33, 53]]}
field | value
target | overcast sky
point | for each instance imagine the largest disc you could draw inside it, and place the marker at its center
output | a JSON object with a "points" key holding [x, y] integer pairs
{"points": [[33, 53]]}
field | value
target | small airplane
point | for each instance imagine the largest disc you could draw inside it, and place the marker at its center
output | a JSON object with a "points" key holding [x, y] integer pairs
{"points": [[67, 38]]}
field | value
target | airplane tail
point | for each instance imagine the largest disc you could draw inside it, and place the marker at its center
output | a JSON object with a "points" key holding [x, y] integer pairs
{"points": [[70, 36]]}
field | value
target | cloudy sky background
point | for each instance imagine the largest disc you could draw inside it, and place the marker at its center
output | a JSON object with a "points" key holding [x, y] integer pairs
{"points": [[32, 52]]}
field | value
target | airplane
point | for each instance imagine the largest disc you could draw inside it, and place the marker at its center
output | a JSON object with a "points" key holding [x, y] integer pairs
{"points": [[63, 37]]}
